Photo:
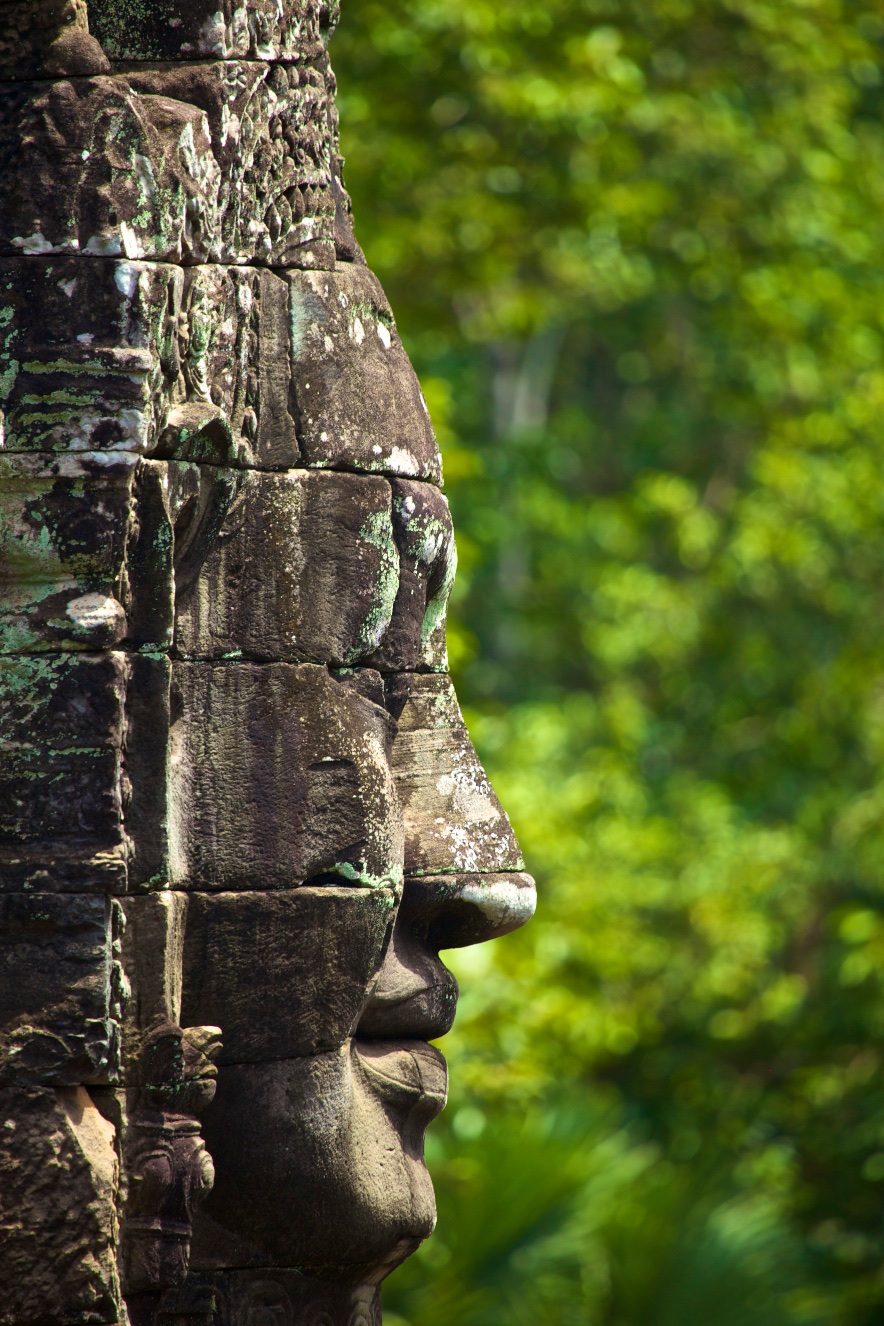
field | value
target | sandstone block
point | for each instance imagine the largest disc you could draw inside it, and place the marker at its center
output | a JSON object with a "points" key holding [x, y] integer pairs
{"points": [[318, 950], [146, 358], [62, 989], [83, 750], [235, 356], [279, 775], [99, 549], [153, 949], [58, 1217], [93, 544], [89, 352], [63, 527], [304, 568], [415, 638], [453, 821], [206, 162], [359, 404], [207, 29], [270, 1295]]}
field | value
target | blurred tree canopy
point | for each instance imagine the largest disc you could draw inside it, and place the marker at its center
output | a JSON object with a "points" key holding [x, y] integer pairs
{"points": [[635, 249]]}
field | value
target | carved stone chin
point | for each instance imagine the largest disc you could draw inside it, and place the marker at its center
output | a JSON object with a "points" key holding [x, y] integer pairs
{"points": [[240, 813]]}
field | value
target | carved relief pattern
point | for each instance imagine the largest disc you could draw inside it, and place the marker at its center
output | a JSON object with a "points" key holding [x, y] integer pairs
{"points": [[168, 1168]]}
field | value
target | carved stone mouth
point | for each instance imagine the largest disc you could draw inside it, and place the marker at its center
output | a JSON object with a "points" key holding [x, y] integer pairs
{"points": [[423, 1013], [405, 1073]]}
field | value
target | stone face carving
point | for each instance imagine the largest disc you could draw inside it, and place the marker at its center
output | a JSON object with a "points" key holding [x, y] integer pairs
{"points": [[240, 814]]}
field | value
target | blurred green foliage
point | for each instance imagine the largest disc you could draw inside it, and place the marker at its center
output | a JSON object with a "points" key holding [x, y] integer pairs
{"points": [[635, 249]]}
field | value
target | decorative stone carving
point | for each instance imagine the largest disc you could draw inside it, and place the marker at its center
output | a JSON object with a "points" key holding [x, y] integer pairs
{"points": [[225, 562], [217, 162], [48, 37], [271, 30], [168, 1168], [62, 989]]}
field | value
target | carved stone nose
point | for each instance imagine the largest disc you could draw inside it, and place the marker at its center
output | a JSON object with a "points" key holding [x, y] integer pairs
{"points": [[454, 911], [416, 995], [464, 873], [454, 823]]}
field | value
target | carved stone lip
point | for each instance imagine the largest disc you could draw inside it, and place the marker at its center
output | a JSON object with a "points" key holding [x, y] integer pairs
{"points": [[405, 1073], [423, 1012]]}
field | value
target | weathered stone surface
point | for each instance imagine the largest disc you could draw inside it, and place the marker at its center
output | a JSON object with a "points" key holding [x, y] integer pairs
{"points": [[280, 774], [86, 551], [147, 358], [58, 1218], [168, 1170], [145, 771], [275, 1296], [469, 909], [89, 352], [304, 568], [62, 989], [225, 564], [63, 526], [61, 822], [97, 549], [453, 820], [153, 951], [207, 29], [234, 352], [336, 1135], [359, 404], [218, 162], [77, 812], [47, 37], [415, 638], [318, 950], [94, 544]]}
